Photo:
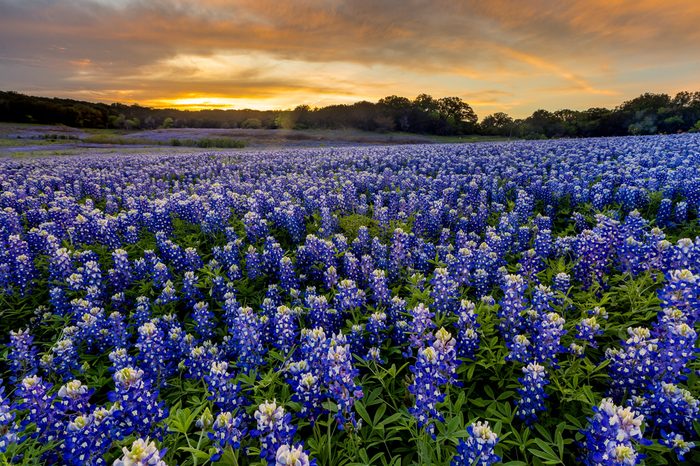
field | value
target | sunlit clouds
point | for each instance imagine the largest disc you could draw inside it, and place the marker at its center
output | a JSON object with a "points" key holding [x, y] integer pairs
{"points": [[499, 55]]}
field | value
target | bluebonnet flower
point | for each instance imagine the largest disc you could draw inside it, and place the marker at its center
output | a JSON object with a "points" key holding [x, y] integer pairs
{"points": [[340, 379], [189, 288], [63, 359], [444, 291], [287, 275], [8, 428], [116, 331], [348, 296], [198, 360], [141, 453], [168, 294], [228, 431], [532, 394], [376, 328], [225, 394], [153, 353], [120, 275], [22, 355], [635, 365], [357, 339], [520, 349], [549, 328], [422, 323], [668, 407], [33, 395], [74, 398], [561, 284], [330, 277], [682, 292], [139, 410], [512, 305], [274, 428], [246, 339], [204, 320], [612, 435], [380, 289], [142, 313], [120, 359], [677, 443], [478, 448], [434, 368], [587, 329], [253, 263], [320, 315], [284, 329], [88, 437], [288, 455]]}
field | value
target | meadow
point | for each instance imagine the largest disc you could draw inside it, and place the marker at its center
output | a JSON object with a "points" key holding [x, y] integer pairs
{"points": [[520, 303]]}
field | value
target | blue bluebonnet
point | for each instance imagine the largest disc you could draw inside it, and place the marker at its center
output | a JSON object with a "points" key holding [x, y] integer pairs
{"points": [[668, 407], [435, 367], [589, 328], [348, 296], [153, 355], [284, 329], [478, 448], [22, 355], [227, 431], [139, 411], [547, 333], [273, 427], [330, 277], [63, 358], [293, 455], [532, 394], [73, 398], [380, 289], [444, 291], [141, 452], [340, 379], [8, 427], [198, 360], [34, 398], [287, 275], [421, 324], [633, 366], [246, 339], [376, 328], [190, 292], [677, 443], [88, 438], [204, 320], [512, 305], [223, 391], [612, 436]]}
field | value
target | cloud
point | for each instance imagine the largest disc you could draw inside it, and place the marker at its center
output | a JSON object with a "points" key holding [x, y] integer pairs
{"points": [[500, 54]]}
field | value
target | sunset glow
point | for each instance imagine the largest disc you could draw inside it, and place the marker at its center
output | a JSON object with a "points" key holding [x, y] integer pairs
{"points": [[498, 56]]}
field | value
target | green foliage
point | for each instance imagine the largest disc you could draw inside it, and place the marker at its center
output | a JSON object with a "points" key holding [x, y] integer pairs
{"points": [[350, 225]]}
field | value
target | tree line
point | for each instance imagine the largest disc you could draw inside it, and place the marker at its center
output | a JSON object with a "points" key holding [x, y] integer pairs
{"points": [[649, 113]]}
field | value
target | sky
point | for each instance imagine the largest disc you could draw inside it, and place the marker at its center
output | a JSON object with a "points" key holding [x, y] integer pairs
{"points": [[497, 55]]}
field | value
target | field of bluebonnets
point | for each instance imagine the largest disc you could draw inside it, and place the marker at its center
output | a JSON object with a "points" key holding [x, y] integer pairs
{"points": [[525, 303]]}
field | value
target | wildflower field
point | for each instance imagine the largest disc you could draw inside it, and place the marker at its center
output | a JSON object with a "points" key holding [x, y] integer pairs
{"points": [[523, 303]]}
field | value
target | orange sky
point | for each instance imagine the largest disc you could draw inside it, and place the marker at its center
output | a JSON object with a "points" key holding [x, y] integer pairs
{"points": [[512, 56]]}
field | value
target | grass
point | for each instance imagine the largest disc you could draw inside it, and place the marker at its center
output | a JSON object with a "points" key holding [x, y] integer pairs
{"points": [[224, 143], [118, 140]]}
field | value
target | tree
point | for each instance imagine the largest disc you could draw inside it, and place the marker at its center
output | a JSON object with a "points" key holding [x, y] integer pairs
{"points": [[458, 115], [497, 124]]}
